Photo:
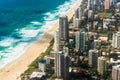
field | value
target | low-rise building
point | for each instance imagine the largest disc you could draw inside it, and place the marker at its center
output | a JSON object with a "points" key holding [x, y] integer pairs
{"points": [[42, 65], [37, 76]]}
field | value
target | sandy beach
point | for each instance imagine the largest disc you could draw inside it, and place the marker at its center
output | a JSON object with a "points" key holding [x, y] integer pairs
{"points": [[13, 70]]}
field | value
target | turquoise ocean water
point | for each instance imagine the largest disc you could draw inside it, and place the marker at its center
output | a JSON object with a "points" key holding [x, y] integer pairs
{"points": [[22, 22]]}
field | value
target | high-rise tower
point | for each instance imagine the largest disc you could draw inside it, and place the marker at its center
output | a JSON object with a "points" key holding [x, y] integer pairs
{"points": [[56, 41], [116, 40], [62, 65], [107, 4], [64, 28], [80, 41], [101, 67], [93, 56]]}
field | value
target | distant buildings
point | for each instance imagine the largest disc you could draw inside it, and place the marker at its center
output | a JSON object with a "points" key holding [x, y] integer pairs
{"points": [[116, 72], [76, 22], [112, 2], [77, 19], [90, 15], [107, 4], [85, 12], [88, 5], [101, 67], [80, 41], [80, 13], [76, 14], [92, 57], [116, 40], [107, 22], [93, 4], [117, 7], [62, 65], [64, 28]]}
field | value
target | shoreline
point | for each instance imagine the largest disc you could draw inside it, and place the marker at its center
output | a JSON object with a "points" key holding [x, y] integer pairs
{"points": [[13, 70]]}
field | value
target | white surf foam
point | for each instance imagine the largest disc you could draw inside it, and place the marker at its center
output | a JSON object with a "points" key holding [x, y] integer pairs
{"points": [[7, 41], [29, 32], [35, 23], [12, 53]]}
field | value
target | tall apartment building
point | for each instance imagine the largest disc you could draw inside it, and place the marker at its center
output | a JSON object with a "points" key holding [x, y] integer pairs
{"points": [[88, 5], [101, 67], [76, 14], [112, 2], [93, 3], [116, 40], [90, 15], [93, 56], [62, 65], [80, 41], [76, 22], [64, 28], [116, 72], [80, 13], [107, 4], [56, 41]]}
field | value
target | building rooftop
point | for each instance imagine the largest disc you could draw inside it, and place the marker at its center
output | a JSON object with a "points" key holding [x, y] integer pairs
{"points": [[118, 5], [117, 67], [37, 74], [114, 61], [49, 57], [94, 50], [102, 58], [42, 61], [103, 38]]}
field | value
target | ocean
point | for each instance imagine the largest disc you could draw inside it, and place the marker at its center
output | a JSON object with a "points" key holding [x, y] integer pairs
{"points": [[23, 22]]}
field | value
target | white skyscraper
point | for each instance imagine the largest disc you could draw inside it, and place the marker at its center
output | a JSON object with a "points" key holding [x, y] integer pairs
{"points": [[80, 13], [56, 41], [116, 40], [88, 5], [58, 64], [80, 41], [62, 65], [94, 2], [76, 22], [93, 56], [101, 67], [90, 14], [112, 2], [116, 72], [91, 4]]}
